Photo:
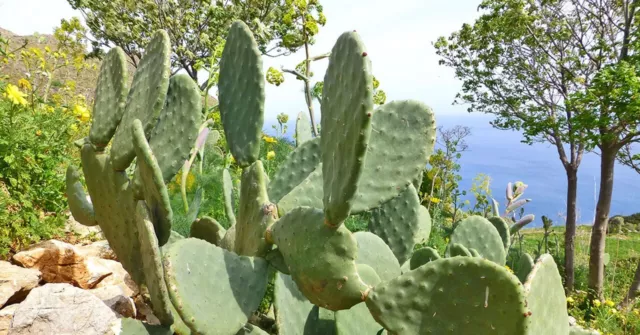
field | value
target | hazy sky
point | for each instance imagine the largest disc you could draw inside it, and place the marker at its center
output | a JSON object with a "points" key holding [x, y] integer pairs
{"points": [[398, 35]]}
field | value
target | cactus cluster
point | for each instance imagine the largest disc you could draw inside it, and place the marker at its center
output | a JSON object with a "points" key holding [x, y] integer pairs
{"points": [[328, 280]]}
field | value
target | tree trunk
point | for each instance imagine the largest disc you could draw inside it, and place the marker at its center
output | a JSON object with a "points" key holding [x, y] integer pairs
{"points": [[599, 230], [570, 233], [634, 290]]}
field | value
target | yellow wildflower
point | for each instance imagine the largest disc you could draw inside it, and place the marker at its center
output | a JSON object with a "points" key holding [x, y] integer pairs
{"points": [[435, 200], [596, 303], [38, 132], [613, 311], [85, 117], [47, 49], [636, 311], [609, 303], [24, 84], [14, 95], [508, 268], [73, 128], [269, 139], [271, 155], [570, 300], [78, 110]]}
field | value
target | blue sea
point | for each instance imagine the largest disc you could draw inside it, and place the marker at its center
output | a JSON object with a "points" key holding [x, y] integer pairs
{"points": [[501, 155]]}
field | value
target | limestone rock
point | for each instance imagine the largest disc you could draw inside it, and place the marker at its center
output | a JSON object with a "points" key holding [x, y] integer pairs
{"points": [[114, 297], [118, 277], [62, 309], [16, 282], [99, 249], [61, 262], [6, 314], [82, 231]]}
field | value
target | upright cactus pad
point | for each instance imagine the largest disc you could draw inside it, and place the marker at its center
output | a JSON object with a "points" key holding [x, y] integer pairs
{"points": [[256, 212], [307, 194], [409, 125], [303, 129], [81, 208], [208, 306], [457, 249], [524, 266], [503, 229], [357, 319], [373, 252], [110, 98], [545, 298], [347, 107], [152, 265], [423, 256], [175, 133], [227, 192], [241, 94], [295, 314], [397, 222], [321, 258], [478, 233], [298, 166], [207, 229], [145, 100], [460, 295]]}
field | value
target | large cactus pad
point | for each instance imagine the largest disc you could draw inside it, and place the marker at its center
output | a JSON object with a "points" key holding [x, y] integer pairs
{"points": [[460, 295], [373, 252], [546, 299], [478, 233], [298, 166]]}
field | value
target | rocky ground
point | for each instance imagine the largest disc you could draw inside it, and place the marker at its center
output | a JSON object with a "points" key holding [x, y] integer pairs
{"points": [[55, 287]]}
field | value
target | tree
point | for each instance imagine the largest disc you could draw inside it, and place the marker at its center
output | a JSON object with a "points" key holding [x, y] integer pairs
{"points": [[532, 64], [197, 28]]}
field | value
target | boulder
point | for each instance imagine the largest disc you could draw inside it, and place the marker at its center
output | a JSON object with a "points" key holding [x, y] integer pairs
{"points": [[61, 262], [62, 309], [82, 231], [99, 249], [114, 297], [118, 276], [6, 314], [16, 282]]}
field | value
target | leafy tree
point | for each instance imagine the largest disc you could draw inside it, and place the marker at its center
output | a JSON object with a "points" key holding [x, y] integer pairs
{"points": [[542, 67], [197, 28]]}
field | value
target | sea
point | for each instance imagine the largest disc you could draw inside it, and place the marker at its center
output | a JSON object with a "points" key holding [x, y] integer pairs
{"points": [[502, 156]]}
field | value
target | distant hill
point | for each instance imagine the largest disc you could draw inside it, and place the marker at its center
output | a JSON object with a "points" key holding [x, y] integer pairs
{"points": [[86, 80]]}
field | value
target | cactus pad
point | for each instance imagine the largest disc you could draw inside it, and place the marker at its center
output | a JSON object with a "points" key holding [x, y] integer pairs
{"points": [[256, 212], [503, 229], [457, 249], [546, 299], [207, 306], [524, 267], [208, 229], [276, 260], [357, 319], [153, 187], [152, 266], [295, 314], [298, 166], [478, 233], [409, 125], [397, 222], [459, 295], [303, 129], [145, 100], [241, 94], [347, 107], [307, 193], [227, 192], [321, 259], [81, 208], [250, 329], [110, 98], [136, 327], [373, 252], [229, 240], [177, 127], [474, 253], [423, 256]]}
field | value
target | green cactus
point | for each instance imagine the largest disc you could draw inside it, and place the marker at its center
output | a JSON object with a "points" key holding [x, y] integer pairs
{"points": [[303, 129], [478, 233], [423, 256]]}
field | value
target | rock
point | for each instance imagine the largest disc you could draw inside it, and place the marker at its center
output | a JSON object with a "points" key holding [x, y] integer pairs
{"points": [[61, 262], [6, 314], [119, 277], [572, 321], [114, 297], [82, 231], [16, 282], [62, 309], [100, 249]]}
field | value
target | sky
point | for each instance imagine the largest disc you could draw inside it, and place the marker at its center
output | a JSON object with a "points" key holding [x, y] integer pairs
{"points": [[398, 36]]}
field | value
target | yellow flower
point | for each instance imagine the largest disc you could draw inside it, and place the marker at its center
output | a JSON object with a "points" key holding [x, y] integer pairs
{"points": [[613, 311], [636, 311], [435, 200], [14, 95], [609, 303], [269, 139], [85, 117], [38, 132], [570, 300], [271, 155], [596, 303], [78, 110], [73, 128], [508, 268], [24, 84]]}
